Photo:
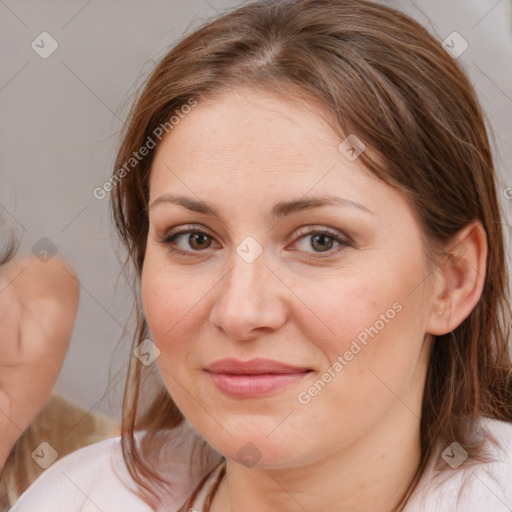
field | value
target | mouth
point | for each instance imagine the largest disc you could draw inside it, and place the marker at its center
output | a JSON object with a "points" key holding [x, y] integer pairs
{"points": [[254, 378]]}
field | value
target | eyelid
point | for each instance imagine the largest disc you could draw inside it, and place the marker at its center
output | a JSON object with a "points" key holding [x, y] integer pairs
{"points": [[314, 229], [186, 228]]}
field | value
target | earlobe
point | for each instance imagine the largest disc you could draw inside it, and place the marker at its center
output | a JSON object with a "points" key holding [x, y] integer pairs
{"points": [[460, 279]]}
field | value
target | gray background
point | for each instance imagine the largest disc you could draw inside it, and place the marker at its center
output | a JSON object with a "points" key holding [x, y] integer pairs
{"points": [[60, 119]]}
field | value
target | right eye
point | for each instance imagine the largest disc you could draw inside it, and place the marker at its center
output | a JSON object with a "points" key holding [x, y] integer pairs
{"points": [[188, 241]]}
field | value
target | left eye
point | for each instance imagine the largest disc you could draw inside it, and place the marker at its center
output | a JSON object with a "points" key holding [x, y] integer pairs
{"points": [[320, 241]]}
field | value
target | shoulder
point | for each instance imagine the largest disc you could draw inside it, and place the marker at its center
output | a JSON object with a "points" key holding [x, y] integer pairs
{"points": [[89, 479], [468, 485], [96, 477]]}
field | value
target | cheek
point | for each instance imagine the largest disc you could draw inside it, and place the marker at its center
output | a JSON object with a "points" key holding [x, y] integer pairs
{"points": [[164, 304], [372, 348], [168, 297], [175, 308], [346, 308], [170, 308], [367, 325]]}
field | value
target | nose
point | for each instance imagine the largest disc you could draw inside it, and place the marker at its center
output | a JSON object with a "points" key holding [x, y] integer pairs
{"points": [[250, 300]]}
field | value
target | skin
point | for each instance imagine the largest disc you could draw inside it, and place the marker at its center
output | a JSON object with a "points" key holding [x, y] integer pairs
{"points": [[356, 445], [38, 306]]}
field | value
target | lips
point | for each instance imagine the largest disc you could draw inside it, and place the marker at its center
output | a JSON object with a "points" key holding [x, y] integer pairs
{"points": [[254, 378], [253, 367]]}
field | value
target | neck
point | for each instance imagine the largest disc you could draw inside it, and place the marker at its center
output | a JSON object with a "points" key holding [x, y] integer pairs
{"points": [[372, 474]]}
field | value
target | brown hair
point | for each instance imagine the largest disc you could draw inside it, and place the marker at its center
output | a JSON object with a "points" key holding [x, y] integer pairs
{"points": [[389, 82]]}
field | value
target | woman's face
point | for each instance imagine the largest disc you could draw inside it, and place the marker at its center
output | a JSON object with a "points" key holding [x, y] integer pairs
{"points": [[270, 241]]}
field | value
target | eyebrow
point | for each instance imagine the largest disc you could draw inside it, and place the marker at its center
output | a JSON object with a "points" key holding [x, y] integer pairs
{"points": [[279, 210]]}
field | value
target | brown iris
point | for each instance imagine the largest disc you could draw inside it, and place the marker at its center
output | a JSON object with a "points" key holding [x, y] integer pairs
{"points": [[199, 241], [321, 242]]}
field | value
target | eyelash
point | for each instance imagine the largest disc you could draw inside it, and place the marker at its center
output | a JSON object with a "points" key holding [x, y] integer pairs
{"points": [[169, 240]]}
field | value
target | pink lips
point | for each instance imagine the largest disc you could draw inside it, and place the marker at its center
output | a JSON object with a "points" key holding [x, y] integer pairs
{"points": [[257, 377]]}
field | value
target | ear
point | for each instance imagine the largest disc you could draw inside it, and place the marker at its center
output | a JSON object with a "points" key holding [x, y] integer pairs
{"points": [[460, 279]]}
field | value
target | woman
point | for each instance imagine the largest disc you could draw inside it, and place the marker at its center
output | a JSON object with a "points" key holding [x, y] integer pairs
{"points": [[307, 195]]}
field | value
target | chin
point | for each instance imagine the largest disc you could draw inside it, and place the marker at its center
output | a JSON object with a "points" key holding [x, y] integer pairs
{"points": [[257, 451]]}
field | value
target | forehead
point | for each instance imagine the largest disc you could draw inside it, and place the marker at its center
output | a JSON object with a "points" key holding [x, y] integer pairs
{"points": [[250, 132], [249, 118]]}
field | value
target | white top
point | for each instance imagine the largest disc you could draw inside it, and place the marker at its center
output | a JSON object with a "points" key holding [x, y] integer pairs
{"points": [[85, 481]]}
